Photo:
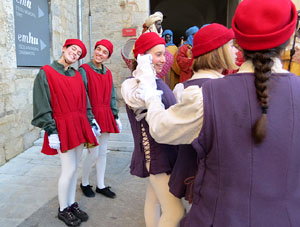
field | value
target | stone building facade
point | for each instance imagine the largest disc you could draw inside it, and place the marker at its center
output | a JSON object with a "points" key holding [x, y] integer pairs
{"points": [[108, 18]]}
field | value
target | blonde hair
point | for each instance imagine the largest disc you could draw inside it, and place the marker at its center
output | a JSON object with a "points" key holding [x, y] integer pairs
{"points": [[219, 58]]}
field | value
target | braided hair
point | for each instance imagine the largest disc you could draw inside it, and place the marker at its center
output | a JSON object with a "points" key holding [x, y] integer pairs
{"points": [[262, 61]]}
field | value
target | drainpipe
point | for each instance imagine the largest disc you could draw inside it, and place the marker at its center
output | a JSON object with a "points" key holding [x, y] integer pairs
{"points": [[90, 30], [79, 23]]}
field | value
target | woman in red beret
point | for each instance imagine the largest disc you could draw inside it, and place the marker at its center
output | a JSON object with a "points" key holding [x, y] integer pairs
{"points": [[210, 57], [151, 159], [248, 137], [61, 107], [100, 88]]}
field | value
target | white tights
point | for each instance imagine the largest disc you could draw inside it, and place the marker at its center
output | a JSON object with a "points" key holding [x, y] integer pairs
{"points": [[159, 199], [98, 155], [68, 178]]}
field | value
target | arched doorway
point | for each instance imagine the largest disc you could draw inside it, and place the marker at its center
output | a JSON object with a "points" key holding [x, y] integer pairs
{"points": [[180, 15]]}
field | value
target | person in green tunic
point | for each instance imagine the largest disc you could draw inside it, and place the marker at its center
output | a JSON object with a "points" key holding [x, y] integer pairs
{"points": [[51, 89], [100, 88]]}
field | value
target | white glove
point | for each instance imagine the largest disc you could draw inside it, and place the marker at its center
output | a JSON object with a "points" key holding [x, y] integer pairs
{"points": [[54, 141], [145, 92], [145, 70], [96, 128], [144, 59], [119, 124]]}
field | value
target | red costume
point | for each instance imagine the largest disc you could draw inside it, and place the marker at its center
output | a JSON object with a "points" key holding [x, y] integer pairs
{"points": [[99, 91], [184, 63], [68, 102]]}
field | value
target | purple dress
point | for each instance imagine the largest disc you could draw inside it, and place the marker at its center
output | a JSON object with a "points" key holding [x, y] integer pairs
{"points": [[240, 183], [185, 169], [162, 156]]}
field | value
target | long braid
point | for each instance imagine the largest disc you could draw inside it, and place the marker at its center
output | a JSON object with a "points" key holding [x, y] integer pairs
{"points": [[262, 70], [262, 61]]}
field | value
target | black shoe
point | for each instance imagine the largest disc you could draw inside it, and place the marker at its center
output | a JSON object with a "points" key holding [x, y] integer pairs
{"points": [[87, 190], [79, 213], [68, 217], [106, 192]]}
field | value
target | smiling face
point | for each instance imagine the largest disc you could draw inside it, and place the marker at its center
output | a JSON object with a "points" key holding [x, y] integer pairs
{"points": [[71, 54], [158, 56], [101, 53]]}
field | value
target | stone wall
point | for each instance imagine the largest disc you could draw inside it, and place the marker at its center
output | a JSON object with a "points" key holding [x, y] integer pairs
{"points": [[109, 17], [16, 132]]}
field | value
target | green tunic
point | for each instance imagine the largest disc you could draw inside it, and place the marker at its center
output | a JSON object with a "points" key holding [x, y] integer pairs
{"points": [[42, 110], [113, 100]]}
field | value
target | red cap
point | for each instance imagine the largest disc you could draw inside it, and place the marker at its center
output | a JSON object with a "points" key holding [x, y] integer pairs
{"points": [[260, 25], [107, 44], [210, 37], [77, 42], [146, 41]]}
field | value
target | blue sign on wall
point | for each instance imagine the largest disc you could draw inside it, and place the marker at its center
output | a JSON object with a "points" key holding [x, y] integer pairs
{"points": [[32, 32]]}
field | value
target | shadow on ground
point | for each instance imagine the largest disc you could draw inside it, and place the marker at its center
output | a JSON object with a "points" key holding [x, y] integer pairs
{"points": [[126, 210]]}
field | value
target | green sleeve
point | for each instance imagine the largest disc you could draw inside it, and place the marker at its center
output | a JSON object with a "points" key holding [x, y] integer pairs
{"points": [[84, 78], [89, 112], [42, 110], [113, 102]]}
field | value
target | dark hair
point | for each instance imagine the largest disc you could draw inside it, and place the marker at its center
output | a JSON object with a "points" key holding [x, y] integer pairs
{"points": [[262, 61], [134, 65]]}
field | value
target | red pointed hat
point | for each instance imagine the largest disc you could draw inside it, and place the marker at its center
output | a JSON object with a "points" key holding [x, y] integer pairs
{"points": [[107, 44], [210, 37], [266, 24], [77, 42], [146, 41]]}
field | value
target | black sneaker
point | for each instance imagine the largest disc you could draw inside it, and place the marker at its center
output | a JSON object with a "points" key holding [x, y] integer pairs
{"points": [[106, 192], [68, 217], [79, 213], [87, 190]]}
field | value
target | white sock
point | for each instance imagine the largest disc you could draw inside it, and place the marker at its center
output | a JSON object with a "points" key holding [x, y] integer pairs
{"points": [[68, 176], [101, 159]]}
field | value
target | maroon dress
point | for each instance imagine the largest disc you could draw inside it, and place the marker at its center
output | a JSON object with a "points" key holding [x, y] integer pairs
{"points": [[69, 106]]}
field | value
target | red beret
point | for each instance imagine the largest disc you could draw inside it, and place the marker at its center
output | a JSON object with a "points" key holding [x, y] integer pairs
{"points": [[260, 25], [146, 41], [77, 42], [210, 37], [107, 44]]}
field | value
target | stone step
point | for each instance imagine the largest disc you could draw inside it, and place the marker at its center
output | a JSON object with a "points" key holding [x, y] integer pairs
{"points": [[123, 136], [117, 141], [38, 142], [116, 145], [126, 129]]}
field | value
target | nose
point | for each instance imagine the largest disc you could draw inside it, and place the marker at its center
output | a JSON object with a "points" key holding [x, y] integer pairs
{"points": [[163, 59]]}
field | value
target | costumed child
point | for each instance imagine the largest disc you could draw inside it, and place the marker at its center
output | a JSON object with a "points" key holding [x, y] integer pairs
{"points": [[151, 159], [61, 107], [100, 88], [210, 57], [184, 56], [247, 131]]}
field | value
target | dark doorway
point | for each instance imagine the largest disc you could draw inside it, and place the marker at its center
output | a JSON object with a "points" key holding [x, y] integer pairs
{"points": [[182, 14]]}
